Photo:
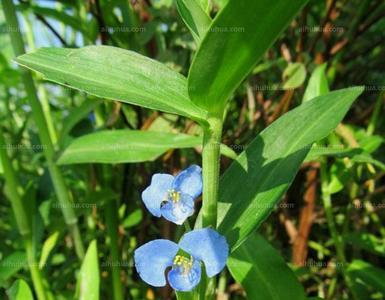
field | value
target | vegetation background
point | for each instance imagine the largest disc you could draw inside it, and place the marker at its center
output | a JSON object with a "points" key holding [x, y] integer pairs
{"points": [[329, 226]]}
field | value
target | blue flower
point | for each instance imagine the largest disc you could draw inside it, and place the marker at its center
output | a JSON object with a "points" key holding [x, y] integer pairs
{"points": [[201, 246], [173, 197]]}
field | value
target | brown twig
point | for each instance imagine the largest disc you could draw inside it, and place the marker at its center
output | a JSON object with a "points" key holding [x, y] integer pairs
{"points": [[324, 22], [300, 248]]}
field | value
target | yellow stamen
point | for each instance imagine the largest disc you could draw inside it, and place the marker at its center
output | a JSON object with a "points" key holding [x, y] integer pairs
{"points": [[184, 263], [174, 196]]}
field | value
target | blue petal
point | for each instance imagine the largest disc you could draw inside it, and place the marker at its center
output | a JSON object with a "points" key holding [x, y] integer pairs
{"points": [[209, 246], [185, 282], [189, 181], [154, 194], [178, 212], [152, 260]]}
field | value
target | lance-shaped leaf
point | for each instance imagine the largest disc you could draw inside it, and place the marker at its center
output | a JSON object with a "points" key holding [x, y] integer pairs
{"points": [[194, 17], [236, 40], [262, 272], [115, 74], [89, 281], [19, 291], [254, 183], [124, 146], [318, 83], [369, 274]]}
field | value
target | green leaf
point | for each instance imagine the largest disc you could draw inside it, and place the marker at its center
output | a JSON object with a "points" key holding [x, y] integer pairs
{"points": [[317, 152], [194, 17], [48, 245], [262, 272], [366, 241], [128, 77], [318, 84], [294, 75], [264, 66], [118, 146], [254, 183], [19, 291], [238, 37], [367, 158], [339, 176], [228, 152], [357, 155], [371, 275], [133, 219], [88, 281], [11, 264]]}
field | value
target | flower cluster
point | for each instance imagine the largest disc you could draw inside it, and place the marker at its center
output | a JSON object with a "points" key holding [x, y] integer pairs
{"points": [[173, 198]]}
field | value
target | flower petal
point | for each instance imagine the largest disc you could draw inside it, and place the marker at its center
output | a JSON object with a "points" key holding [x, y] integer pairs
{"points": [[153, 258], [154, 194], [189, 181], [185, 282], [209, 246], [178, 212]]}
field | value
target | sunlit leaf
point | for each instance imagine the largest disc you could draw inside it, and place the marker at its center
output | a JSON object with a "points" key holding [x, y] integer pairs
{"points": [[19, 291], [317, 85], [254, 183], [194, 17], [238, 37], [294, 75], [48, 246], [88, 281], [128, 77], [118, 146]]}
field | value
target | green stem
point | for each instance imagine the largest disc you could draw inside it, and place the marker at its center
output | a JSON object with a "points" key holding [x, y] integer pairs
{"points": [[42, 91], [57, 178], [35, 271], [337, 241], [112, 217], [112, 232], [210, 170], [22, 218], [14, 190]]}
